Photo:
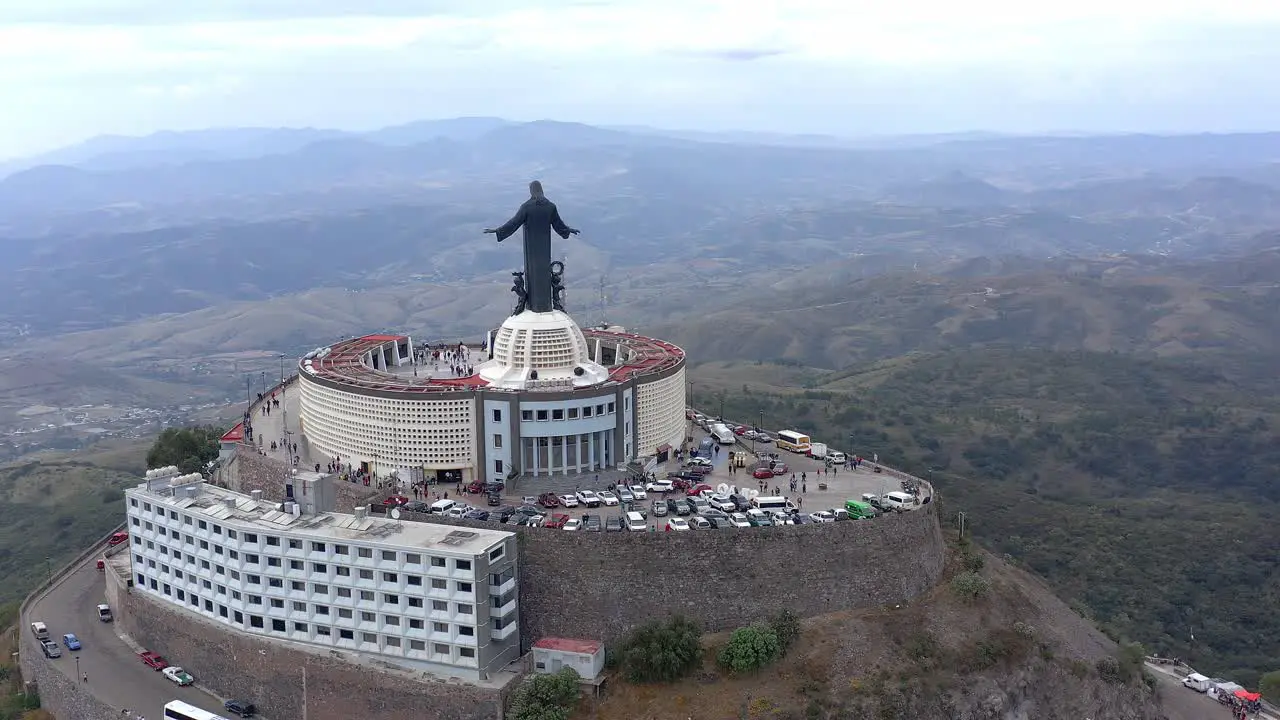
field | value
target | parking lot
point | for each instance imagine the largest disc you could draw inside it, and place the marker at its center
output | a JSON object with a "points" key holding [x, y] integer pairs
{"points": [[817, 487]]}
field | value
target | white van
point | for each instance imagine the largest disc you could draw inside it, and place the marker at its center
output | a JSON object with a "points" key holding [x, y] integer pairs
{"points": [[636, 522], [769, 503], [1196, 682], [835, 457], [40, 631], [440, 507], [900, 500]]}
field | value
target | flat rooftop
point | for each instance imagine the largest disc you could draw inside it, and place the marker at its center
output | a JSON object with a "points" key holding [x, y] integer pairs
{"points": [[343, 364], [212, 503]]}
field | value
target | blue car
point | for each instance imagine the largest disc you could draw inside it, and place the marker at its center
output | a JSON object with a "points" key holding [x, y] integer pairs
{"points": [[71, 641]]}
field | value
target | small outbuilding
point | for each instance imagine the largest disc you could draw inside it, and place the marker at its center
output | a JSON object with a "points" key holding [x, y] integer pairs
{"points": [[552, 654]]}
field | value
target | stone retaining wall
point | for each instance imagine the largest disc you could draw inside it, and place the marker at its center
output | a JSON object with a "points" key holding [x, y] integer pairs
{"points": [[270, 673], [603, 585], [253, 471]]}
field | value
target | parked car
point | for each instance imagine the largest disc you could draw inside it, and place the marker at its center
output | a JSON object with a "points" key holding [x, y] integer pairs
{"points": [[740, 503], [591, 523], [823, 516], [477, 514], [659, 486], [712, 512], [417, 506], [494, 500], [118, 538], [504, 513], [153, 660], [700, 523], [178, 675], [739, 520], [780, 469], [51, 649], [572, 524], [104, 612], [659, 508], [699, 489], [613, 524], [569, 501], [556, 521], [677, 524], [762, 473], [495, 486], [240, 708], [476, 487], [624, 494], [639, 492], [704, 462], [588, 498], [548, 500], [718, 523], [71, 641], [608, 498], [676, 507]]}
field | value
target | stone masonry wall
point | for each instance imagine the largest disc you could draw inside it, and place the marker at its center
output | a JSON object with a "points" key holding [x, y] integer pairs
{"points": [[603, 585], [258, 472], [59, 693], [270, 674]]}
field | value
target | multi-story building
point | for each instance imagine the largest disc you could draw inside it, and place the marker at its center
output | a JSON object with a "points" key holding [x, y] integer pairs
{"points": [[540, 397], [430, 597]]}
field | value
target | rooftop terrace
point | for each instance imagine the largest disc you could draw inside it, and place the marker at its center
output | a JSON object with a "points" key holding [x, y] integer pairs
{"points": [[213, 502]]}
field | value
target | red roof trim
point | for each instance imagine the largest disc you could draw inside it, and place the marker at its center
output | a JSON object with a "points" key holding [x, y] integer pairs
{"points": [[384, 338], [235, 434], [583, 647]]}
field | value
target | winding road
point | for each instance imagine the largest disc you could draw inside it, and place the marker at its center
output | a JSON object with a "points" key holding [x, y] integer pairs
{"points": [[115, 674]]}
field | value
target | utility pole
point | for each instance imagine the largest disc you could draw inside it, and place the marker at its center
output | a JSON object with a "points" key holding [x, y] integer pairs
{"points": [[960, 521], [722, 406], [282, 368], [304, 691], [248, 394]]}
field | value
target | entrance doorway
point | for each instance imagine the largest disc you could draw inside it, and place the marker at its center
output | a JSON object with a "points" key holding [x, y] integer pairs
{"points": [[448, 477]]}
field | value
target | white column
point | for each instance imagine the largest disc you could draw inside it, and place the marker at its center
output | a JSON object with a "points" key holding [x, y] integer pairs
{"points": [[537, 460], [591, 449]]}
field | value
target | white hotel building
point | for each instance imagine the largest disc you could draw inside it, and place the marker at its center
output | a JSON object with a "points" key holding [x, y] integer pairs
{"points": [[546, 398], [429, 597]]}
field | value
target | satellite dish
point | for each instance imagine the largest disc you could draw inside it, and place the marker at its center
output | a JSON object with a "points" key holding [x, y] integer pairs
{"points": [[723, 488], [395, 513]]}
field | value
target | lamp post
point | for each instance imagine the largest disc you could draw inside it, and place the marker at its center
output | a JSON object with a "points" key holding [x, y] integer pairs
{"points": [[78, 675], [722, 406], [48, 567], [282, 368], [248, 394]]}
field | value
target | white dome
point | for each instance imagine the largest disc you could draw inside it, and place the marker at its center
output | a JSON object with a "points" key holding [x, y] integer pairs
{"points": [[549, 344]]}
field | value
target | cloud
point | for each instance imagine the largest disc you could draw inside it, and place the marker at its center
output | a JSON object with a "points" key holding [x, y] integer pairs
{"points": [[74, 68]]}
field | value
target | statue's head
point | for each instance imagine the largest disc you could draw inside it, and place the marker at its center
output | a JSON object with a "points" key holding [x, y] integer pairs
{"points": [[535, 190]]}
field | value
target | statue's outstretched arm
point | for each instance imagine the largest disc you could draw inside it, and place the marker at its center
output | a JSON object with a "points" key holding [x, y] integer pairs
{"points": [[559, 226], [510, 226]]}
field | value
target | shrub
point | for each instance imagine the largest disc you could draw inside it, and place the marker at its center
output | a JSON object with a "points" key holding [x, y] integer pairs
{"points": [[970, 586], [658, 652], [546, 697], [1024, 630], [787, 627], [1269, 686], [750, 648], [974, 561]]}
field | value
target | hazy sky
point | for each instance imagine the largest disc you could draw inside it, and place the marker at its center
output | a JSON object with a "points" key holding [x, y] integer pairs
{"points": [[74, 68]]}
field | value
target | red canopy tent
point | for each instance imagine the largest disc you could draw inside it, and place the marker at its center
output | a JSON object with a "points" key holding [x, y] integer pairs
{"points": [[1247, 696]]}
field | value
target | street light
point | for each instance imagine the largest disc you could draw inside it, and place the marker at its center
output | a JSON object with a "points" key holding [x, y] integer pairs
{"points": [[78, 675]]}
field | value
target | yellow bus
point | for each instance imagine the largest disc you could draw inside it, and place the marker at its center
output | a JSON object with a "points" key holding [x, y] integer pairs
{"points": [[793, 441]]}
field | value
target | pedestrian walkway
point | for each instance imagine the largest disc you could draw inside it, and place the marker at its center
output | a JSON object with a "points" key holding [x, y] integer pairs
{"points": [[280, 426]]}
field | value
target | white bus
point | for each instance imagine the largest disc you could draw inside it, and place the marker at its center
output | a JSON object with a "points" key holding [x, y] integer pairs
{"points": [[724, 434], [793, 441], [178, 710], [771, 504]]}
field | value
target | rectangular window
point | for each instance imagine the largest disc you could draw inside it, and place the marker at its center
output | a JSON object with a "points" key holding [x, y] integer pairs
{"points": [[497, 553], [497, 415], [295, 544], [497, 440], [255, 621], [341, 550], [277, 625], [366, 595], [412, 559], [277, 603], [526, 414], [391, 620], [275, 582], [319, 589], [389, 555], [437, 562], [390, 577], [415, 624], [344, 592], [542, 414], [341, 571], [573, 413], [464, 587], [295, 564], [462, 564], [322, 630], [610, 408], [369, 638], [364, 552], [413, 579], [299, 606], [368, 617], [346, 635], [344, 613], [317, 547], [440, 648], [366, 574], [466, 652], [466, 630], [415, 602], [439, 627], [321, 609], [217, 529], [297, 585], [251, 537], [273, 541], [251, 559], [273, 562], [418, 645], [464, 609], [439, 606], [586, 411], [391, 641], [438, 584], [557, 414], [319, 568], [299, 627], [497, 467], [391, 599], [231, 534]]}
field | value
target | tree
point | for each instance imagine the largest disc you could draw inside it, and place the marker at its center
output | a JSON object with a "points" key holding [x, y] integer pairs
{"points": [[1269, 686], [751, 648], [547, 697], [658, 652], [786, 625], [190, 448]]}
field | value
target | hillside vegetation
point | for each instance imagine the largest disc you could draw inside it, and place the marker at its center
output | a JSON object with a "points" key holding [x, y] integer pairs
{"points": [[1142, 490], [989, 642]]}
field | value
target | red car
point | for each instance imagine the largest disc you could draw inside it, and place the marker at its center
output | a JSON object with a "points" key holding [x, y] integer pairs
{"points": [[153, 661], [396, 501], [699, 489], [781, 469], [681, 484], [118, 538], [548, 500], [762, 473], [556, 521], [740, 429], [476, 487]]}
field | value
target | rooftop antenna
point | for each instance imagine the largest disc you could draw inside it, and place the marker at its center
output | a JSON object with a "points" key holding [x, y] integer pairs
{"points": [[604, 321]]}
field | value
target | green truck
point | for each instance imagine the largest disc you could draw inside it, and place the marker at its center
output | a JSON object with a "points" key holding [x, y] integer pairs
{"points": [[859, 510]]}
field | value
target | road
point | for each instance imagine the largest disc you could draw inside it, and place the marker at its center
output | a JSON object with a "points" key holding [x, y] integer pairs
{"points": [[1181, 703], [116, 675]]}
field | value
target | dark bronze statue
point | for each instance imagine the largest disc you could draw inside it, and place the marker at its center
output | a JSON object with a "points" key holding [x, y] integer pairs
{"points": [[557, 285], [522, 295], [539, 217]]}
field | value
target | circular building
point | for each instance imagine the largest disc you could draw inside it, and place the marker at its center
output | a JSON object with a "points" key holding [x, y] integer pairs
{"points": [[541, 397]]}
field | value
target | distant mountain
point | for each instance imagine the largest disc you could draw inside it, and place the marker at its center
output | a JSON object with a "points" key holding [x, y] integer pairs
{"points": [[463, 129], [955, 189]]}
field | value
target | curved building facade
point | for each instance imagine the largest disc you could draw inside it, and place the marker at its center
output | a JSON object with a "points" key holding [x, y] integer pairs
{"points": [[541, 397]]}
